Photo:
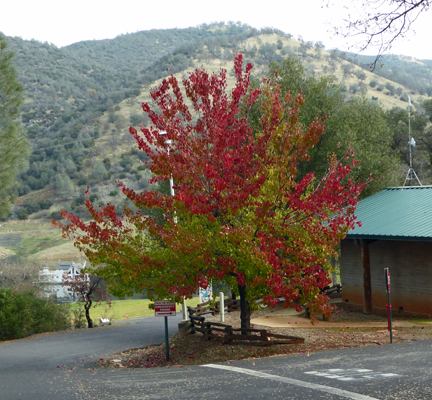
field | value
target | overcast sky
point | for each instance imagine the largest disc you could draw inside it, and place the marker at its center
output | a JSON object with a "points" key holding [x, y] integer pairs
{"points": [[66, 22]]}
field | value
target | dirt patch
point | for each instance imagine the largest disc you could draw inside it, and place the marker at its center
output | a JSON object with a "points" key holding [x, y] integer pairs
{"points": [[194, 350]]}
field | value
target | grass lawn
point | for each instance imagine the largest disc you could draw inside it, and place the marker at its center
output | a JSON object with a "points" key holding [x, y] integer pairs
{"points": [[124, 309]]}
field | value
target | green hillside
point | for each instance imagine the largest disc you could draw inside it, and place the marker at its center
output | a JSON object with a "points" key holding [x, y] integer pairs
{"points": [[81, 99]]}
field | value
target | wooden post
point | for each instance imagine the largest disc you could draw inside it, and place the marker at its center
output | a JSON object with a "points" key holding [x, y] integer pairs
{"points": [[367, 284]]}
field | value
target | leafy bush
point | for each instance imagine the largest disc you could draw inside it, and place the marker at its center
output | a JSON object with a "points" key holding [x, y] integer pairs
{"points": [[77, 202], [23, 314], [56, 215], [31, 205], [45, 204], [22, 213], [80, 318]]}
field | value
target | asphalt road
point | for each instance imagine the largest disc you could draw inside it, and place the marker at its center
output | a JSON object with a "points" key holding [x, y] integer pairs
{"points": [[63, 367], [47, 367]]}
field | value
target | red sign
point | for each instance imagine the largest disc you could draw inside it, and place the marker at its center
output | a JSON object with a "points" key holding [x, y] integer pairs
{"points": [[164, 308]]}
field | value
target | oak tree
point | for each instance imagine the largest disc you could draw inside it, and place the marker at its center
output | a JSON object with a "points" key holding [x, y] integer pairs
{"points": [[239, 214]]}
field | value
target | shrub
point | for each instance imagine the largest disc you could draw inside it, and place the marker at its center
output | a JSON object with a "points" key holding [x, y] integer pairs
{"points": [[23, 314], [77, 202], [22, 213], [80, 318], [56, 215], [31, 205], [45, 204]]}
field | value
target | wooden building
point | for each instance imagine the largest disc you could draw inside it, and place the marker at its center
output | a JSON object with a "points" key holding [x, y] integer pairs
{"points": [[396, 233]]}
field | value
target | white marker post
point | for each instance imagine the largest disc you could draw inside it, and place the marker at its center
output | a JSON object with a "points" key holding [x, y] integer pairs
{"points": [[222, 306]]}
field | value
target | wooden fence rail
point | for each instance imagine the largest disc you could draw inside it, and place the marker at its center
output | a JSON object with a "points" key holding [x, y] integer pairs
{"points": [[230, 335]]}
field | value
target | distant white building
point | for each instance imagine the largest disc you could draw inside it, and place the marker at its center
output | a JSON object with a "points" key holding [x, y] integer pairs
{"points": [[53, 280]]}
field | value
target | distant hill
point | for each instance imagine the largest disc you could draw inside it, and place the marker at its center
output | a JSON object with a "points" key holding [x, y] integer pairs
{"points": [[81, 99]]}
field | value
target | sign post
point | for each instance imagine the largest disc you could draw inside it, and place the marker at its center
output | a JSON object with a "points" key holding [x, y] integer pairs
{"points": [[387, 279], [165, 309]]}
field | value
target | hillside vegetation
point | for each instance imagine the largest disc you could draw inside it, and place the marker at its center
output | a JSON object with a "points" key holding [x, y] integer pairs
{"points": [[81, 99]]}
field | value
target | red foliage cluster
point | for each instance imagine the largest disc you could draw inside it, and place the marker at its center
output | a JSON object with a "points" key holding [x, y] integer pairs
{"points": [[240, 212]]}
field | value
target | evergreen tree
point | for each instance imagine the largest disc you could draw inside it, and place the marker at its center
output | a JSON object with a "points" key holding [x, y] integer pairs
{"points": [[64, 186], [14, 147]]}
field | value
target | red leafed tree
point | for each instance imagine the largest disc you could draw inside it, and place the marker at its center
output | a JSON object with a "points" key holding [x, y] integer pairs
{"points": [[240, 214], [87, 289]]}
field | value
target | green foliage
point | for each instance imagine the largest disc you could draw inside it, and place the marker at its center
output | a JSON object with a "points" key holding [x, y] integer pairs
{"points": [[77, 202], [56, 215], [64, 186], [99, 171], [427, 106], [80, 318], [354, 124], [24, 314], [93, 197], [45, 204], [13, 143], [68, 89], [22, 213], [397, 119]]}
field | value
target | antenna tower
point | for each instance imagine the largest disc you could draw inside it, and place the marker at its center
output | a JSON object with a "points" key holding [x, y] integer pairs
{"points": [[411, 175]]}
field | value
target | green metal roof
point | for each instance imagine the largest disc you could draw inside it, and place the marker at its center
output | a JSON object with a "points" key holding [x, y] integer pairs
{"points": [[395, 213]]}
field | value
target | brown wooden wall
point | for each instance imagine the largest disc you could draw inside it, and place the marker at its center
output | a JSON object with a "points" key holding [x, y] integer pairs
{"points": [[410, 266]]}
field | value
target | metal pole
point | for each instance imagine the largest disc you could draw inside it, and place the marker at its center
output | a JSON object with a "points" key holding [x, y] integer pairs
{"points": [[409, 129], [409, 138], [390, 318], [166, 338]]}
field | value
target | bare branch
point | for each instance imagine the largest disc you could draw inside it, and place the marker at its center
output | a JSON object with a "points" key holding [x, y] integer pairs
{"points": [[380, 23]]}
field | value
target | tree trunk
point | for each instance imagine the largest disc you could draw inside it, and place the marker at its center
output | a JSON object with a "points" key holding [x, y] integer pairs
{"points": [[245, 313], [87, 307]]}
